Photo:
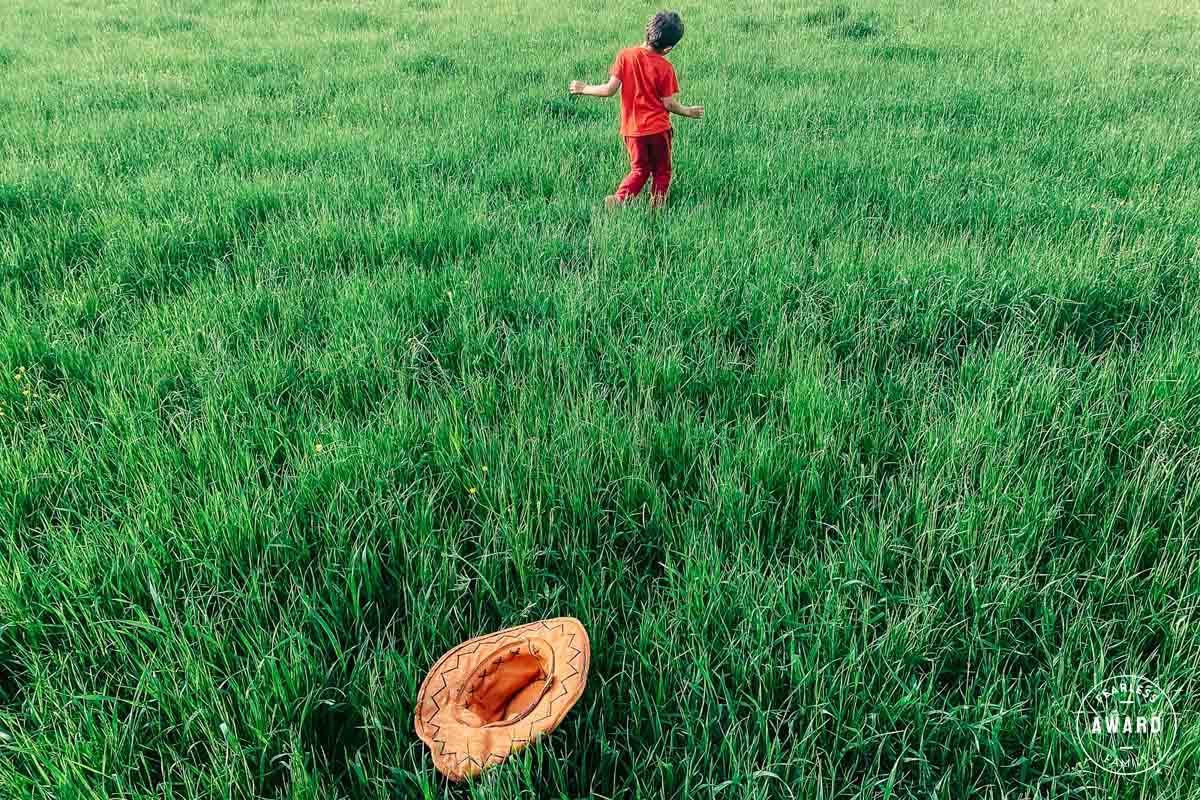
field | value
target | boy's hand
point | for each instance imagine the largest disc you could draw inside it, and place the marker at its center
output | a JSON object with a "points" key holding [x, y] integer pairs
{"points": [[675, 107], [595, 90]]}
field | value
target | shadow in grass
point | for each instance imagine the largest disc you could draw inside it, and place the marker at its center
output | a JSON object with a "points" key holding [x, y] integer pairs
{"points": [[355, 20], [271, 774], [46, 268], [1096, 320], [841, 22], [14, 681], [159, 747], [906, 54], [333, 734], [831, 15], [273, 465], [565, 109], [959, 111], [177, 262], [147, 770], [254, 207], [174, 25], [531, 78], [857, 29], [178, 398], [116, 25], [429, 65], [268, 80], [753, 25], [95, 312], [788, 20], [1100, 319], [21, 204], [675, 458], [7, 56], [236, 70], [181, 258], [151, 26], [57, 364]]}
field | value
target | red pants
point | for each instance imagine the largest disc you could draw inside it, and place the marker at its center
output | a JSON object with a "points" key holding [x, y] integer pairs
{"points": [[648, 155]]}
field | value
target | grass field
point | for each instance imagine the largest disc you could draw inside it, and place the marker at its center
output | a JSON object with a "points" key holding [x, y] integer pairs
{"points": [[861, 463]]}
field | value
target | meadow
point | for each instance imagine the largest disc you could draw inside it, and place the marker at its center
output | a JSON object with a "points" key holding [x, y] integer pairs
{"points": [[861, 463]]}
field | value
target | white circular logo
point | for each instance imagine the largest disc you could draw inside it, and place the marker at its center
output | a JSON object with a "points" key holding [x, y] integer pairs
{"points": [[1126, 725]]}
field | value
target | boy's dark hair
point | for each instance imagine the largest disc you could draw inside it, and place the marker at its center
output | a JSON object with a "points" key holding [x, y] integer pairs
{"points": [[664, 30]]}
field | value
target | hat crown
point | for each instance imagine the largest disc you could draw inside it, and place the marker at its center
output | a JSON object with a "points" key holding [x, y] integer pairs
{"points": [[506, 684]]}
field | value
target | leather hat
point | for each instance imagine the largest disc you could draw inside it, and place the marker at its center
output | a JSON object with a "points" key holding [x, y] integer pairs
{"points": [[491, 696]]}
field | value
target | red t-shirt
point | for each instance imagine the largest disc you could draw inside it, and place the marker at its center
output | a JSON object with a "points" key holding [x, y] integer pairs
{"points": [[646, 78]]}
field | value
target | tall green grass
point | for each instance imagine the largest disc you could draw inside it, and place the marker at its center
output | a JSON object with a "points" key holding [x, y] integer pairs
{"points": [[860, 463]]}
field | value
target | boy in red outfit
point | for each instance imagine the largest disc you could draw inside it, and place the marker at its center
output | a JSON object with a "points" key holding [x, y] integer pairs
{"points": [[648, 88]]}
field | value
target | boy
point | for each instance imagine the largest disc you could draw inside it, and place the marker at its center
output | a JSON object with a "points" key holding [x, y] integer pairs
{"points": [[648, 87]]}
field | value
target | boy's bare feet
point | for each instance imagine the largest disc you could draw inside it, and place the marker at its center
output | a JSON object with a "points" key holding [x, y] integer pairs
{"points": [[612, 201], [658, 201]]}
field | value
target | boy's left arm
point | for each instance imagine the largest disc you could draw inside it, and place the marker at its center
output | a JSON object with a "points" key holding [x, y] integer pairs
{"points": [[669, 88], [674, 106]]}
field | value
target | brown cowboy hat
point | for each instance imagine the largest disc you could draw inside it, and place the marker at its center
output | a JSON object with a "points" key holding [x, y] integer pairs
{"points": [[491, 696]]}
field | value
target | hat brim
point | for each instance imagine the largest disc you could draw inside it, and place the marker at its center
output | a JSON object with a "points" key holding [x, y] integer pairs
{"points": [[463, 745]]}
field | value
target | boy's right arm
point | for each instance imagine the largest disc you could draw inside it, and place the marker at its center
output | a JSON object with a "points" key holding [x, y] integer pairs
{"points": [[602, 89], [596, 90]]}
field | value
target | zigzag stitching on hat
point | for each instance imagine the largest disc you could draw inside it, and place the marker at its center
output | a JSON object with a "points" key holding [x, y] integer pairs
{"points": [[512, 740], [469, 758], [437, 710], [445, 686], [457, 663], [549, 709], [498, 756], [578, 653]]}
